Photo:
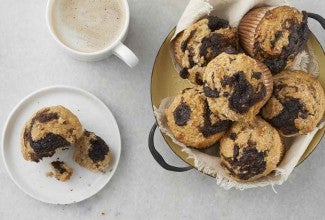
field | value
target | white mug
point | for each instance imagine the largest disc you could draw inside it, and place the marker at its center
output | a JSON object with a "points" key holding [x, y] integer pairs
{"points": [[117, 47]]}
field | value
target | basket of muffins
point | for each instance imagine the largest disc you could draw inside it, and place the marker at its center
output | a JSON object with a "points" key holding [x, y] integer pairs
{"points": [[55, 128], [250, 101]]}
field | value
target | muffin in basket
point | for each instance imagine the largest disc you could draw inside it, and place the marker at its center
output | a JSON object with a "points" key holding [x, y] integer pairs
{"points": [[274, 35], [297, 104], [199, 43], [237, 86], [191, 122], [249, 152]]}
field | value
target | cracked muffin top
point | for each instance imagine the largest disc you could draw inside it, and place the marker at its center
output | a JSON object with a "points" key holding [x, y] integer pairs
{"points": [[250, 151], [297, 104], [274, 35], [237, 86], [201, 42], [191, 121]]}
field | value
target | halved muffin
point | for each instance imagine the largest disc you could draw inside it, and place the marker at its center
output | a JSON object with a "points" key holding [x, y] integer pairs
{"points": [[49, 130], [92, 152]]}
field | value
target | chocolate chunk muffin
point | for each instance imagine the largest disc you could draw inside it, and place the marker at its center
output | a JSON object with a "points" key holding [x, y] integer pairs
{"points": [[297, 104], [249, 152], [201, 42], [237, 86], [191, 121], [48, 130], [60, 170], [274, 35], [92, 152]]}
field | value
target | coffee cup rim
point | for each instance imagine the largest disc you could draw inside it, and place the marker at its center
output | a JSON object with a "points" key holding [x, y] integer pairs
{"points": [[109, 48]]}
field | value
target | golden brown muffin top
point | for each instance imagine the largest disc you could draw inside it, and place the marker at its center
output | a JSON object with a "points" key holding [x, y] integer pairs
{"points": [[279, 36], [201, 42], [191, 121], [236, 86], [297, 104], [249, 152]]}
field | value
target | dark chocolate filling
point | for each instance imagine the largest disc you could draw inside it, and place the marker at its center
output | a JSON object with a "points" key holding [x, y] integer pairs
{"points": [[233, 136], [227, 81], [216, 23], [250, 164], [236, 152], [184, 73], [215, 44], [58, 165], [198, 79], [257, 75], [243, 96], [277, 36], [297, 38], [211, 93], [285, 120], [98, 150], [46, 146], [185, 42], [47, 117], [191, 61], [182, 114], [210, 129]]}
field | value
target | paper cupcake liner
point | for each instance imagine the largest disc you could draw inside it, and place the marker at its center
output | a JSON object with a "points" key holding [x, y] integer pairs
{"points": [[267, 79], [248, 26]]}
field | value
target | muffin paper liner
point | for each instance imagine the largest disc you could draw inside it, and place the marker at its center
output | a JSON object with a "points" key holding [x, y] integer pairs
{"points": [[233, 11], [268, 81], [247, 29]]}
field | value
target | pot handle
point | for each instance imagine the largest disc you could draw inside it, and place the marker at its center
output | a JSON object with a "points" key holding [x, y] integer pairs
{"points": [[318, 18], [157, 156]]}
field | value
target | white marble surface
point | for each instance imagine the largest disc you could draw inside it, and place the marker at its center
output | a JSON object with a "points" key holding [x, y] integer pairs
{"points": [[30, 60]]}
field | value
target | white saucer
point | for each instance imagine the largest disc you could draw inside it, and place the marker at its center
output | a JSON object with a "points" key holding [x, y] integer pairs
{"points": [[30, 176]]}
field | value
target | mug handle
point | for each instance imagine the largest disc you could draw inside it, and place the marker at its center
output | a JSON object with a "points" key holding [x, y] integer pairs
{"points": [[157, 156], [125, 54]]}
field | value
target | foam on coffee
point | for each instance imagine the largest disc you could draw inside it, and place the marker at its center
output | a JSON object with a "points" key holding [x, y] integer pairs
{"points": [[88, 25]]}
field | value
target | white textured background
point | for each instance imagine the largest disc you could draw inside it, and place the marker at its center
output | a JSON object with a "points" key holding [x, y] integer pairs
{"points": [[30, 60]]}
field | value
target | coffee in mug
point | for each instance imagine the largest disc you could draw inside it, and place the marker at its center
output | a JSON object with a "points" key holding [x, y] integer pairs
{"points": [[88, 25], [91, 30]]}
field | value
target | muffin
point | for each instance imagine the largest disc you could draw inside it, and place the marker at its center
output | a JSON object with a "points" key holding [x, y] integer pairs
{"points": [[199, 43], [249, 152], [92, 152], [47, 131], [297, 104], [191, 122], [237, 86], [274, 35], [60, 170]]}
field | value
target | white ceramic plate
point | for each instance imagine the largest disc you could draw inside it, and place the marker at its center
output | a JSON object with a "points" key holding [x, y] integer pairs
{"points": [[30, 176]]}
